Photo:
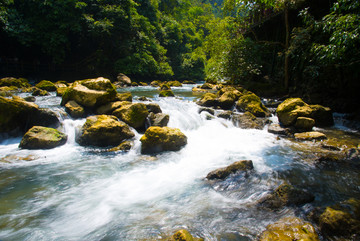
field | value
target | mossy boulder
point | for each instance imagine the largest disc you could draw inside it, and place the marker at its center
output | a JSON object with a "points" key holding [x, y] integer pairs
{"points": [[290, 229], [39, 137], [309, 136], [90, 93], [157, 139], [19, 115], [227, 98], [159, 119], [74, 109], [292, 108], [183, 235], [16, 82], [152, 107], [110, 107], [304, 124], [174, 83], [60, 91], [143, 84], [286, 195], [39, 92], [208, 100], [166, 93], [248, 121], [103, 130], [133, 114], [46, 85], [239, 166], [252, 103], [7, 91], [127, 96], [61, 84], [155, 83]]}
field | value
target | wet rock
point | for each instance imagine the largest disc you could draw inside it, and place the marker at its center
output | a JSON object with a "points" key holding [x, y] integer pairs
{"points": [[286, 195], [39, 92], [158, 139], [208, 100], [309, 136], [124, 146], [227, 97], [159, 119], [208, 110], [16, 82], [39, 137], [183, 235], [166, 93], [6, 91], [143, 84], [251, 103], [123, 80], [143, 98], [110, 107], [61, 84], [74, 109], [289, 229], [46, 85], [165, 87], [225, 114], [135, 84], [90, 92], [60, 91], [189, 82], [133, 114], [222, 173], [155, 83], [278, 130], [30, 99], [292, 108], [248, 121], [104, 130], [304, 123], [174, 83], [44, 117], [152, 107], [207, 86], [124, 97]]}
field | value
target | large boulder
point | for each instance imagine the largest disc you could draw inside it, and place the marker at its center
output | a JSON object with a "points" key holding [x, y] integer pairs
{"points": [[157, 139], [286, 195], [227, 97], [39, 137], [123, 80], [222, 173], [252, 103], [46, 85], [304, 123], [18, 115], [289, 229], [174, 83], [103, 130], [166, 93], [110, 107], [292, 108], [39, 92], [90, 93], [74, 109], [16, 82], [127, 96], [208, 100], [133, 114]]}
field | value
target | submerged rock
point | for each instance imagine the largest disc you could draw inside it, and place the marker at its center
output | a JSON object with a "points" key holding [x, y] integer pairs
{"points": [[252, 103], [104, 130], [133, 114], [39, 137], [222, 173], [309, 136], [90, 92], [286, 195], [74, 109], [289, 229], [46, 85], [157, 139]]}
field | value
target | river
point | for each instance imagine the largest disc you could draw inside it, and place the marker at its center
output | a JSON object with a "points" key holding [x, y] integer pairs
{"points": [[84, 193]]}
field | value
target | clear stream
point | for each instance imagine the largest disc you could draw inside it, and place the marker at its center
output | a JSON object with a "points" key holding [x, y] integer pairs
{"points": [[84, 193]]}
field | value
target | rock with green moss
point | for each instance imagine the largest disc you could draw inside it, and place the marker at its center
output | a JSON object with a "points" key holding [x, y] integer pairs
{"points": [[39, 137], [74, 109], [239, 166], [310, 136], [60, 91], [15, 82], [166, 93], [208, 100], [292, 108], [304, 124], [46, 85], [248, 121], [227, 97], [189, 82], [155, 83], [39, 92], [183, 235], [103, 130], [90, 93], [174, 83], [158, 139], [152, 107], [290, 229], [252, 103], [109, 108], [7, 91], [165, 86], [124, 146], [286, 195], [127, 96], [61, 84], [133, 114]]}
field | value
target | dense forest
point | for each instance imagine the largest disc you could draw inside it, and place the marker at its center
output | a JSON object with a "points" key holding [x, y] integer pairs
{"points": [[301, 47]]}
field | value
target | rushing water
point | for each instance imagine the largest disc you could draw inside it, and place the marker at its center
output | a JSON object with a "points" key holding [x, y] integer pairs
{"points": [[83, 193]]}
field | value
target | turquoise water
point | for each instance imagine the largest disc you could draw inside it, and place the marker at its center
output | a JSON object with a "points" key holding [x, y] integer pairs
{"points": [[85, 193]]}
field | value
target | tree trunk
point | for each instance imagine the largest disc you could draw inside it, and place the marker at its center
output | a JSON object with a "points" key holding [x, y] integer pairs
{"points": [[287, 37]]}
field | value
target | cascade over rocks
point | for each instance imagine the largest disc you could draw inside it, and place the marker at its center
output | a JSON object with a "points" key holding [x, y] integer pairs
{"points": [[222, 173], [292, 108], [133, 114], [289, 229], [158, 139], [19, 115], [90, 92], [39, 137], [103, 130]]}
